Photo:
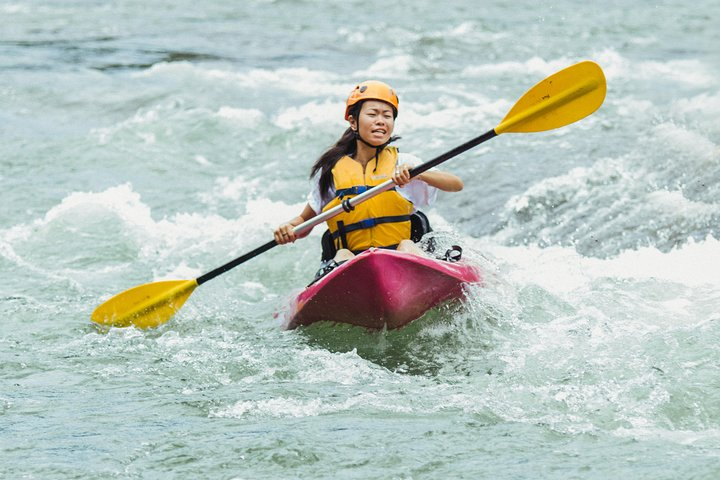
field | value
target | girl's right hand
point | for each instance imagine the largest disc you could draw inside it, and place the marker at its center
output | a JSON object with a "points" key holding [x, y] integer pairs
{"points": [[285, 233]]}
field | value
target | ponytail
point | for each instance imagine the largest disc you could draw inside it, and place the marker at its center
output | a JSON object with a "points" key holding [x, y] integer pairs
{"points": [[344, 146]]}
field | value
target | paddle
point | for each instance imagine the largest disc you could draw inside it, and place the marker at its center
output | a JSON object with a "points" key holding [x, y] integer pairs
{"points": [[561, 99]]}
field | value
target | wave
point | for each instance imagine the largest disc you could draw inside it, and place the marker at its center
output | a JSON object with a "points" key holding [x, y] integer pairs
{"points": [[564, 270], [302, 81], [115, 230], [318, 97], [660, 191], [691, 72], [601, 344]]}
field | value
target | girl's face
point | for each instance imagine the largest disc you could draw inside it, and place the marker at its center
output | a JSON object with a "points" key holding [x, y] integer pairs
{"points": [[375, 122]]}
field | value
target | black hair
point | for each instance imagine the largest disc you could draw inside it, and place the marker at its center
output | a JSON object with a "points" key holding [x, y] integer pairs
{"points": [[345, 146]]}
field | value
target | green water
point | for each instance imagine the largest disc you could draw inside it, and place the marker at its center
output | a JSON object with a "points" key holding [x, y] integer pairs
{"points": [[145, 141]]}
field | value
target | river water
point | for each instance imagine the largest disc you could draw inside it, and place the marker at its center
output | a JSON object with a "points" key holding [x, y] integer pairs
{"points": [[142, 141]]}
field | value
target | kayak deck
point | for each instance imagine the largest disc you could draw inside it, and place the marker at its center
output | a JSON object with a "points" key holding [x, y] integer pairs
{"points": [[381, 289]]}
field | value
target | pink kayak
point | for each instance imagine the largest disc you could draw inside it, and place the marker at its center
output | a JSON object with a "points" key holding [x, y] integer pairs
{"points": [[381, 289]]}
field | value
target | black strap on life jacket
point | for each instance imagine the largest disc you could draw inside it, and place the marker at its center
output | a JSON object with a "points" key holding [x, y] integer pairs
{"points": [[343, 229], [419, 224], [341, 233], [356, 190]]}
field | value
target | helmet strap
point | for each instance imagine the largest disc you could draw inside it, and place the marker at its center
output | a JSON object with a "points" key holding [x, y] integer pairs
{"points": [[378, 148]]}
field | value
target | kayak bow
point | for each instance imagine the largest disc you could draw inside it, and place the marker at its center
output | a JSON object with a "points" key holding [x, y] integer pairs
{"points": [[381, 289]]}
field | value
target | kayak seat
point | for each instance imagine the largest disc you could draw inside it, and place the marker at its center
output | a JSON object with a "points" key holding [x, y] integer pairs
{"points": [[419, 226]]}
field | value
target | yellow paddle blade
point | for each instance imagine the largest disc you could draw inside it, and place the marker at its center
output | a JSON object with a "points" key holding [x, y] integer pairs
{"points": [[144, 306], [561, 99]]}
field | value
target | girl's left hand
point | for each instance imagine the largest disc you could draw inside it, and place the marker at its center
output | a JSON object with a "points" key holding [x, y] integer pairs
{"points": [[402, 175]]}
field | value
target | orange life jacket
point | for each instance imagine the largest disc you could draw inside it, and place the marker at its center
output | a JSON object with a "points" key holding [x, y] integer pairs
{"points": [[381, 221]]}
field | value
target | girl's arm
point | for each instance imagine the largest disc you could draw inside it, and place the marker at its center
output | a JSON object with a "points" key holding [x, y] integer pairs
{"points": [[284, 233], [442, 180], [435, 178]]}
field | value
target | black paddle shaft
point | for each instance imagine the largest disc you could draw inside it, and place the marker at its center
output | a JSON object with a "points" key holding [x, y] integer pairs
{"points": [[311, 223], [452, 153], [234, 263]]}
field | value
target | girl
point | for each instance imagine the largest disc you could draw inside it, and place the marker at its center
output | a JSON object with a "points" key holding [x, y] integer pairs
{"points": [[361, 159]]}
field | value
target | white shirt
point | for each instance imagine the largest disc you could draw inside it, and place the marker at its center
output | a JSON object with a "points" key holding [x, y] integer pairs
{"points": [[418, 192]]}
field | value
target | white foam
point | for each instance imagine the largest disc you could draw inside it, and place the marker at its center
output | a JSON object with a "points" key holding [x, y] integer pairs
{"points": [[246, 117], [691, 72], [274, 407], [680, 137], [286, 407], [671, 204], [352, 35], [232, 189], [693, 264], [120, 214], [121, 201], [346, 369], [682, 437], [578, 181], [644, 41], [452, 114], [140, 119], [12, 8], [201, 160], [192, 234], [311, 83], [392, 66], [254, 289], [687, 71], [632, 107], [9, 253], [561, 270], [312, 114], [263, 211], [703, 104], [534, 65], [180, 271], [460, 30]]}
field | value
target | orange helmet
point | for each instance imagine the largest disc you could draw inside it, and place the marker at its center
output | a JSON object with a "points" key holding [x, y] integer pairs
{"points": [[372, 90]]}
